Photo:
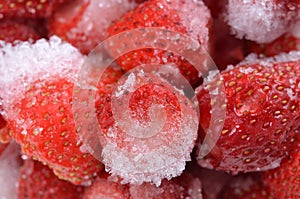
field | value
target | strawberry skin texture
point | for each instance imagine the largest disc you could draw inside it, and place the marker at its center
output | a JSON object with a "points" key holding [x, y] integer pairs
{"points": [[12, 30], [163, 14], [284, 181], [285, 43], [262, 117], [28, 8], [51, 137], [37, 181], [103, 188]]}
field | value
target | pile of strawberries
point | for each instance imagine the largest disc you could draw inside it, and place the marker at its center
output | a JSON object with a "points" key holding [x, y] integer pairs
{"points": [[257, 151]]}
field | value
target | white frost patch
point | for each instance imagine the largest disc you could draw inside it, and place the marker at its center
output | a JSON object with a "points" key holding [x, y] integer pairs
{"points": [[128, 86]]}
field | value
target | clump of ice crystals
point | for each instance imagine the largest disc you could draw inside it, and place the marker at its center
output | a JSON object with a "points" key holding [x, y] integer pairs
{"points": [[261, 21], [25, 63], [152, 158], [9, 171]]}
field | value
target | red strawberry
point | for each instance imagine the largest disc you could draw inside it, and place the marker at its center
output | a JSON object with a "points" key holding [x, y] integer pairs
{"points": [[187, 17], [284, 181], [82, 23], [134, 128], [12, 30], [39, 110], [26, 8], [184, 186], [262, 115], [245, 187], [285, 43], [37, 181], [103, 188]]}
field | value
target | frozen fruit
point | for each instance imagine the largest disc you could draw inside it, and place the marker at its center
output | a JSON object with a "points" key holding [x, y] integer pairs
{"points": [[245, 187], [261, 21], [184, 186], [148, 127], [83, 23], [37, 181], [262, 114], [36, 87], [104, 188], [285, 43], [12, 30], [284, 181], [28, 8], [187, 17]]}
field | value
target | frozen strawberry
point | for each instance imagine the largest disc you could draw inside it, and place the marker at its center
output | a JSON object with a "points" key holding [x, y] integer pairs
{"points": [[245, 187], [12, 30], [28, 8], [187, 17], [284, 181], [285, 43], [37, 90], [184, 186], [262, 114], [271, 19], [145, 120], [83, 23], [103, 188], [37, 181]]}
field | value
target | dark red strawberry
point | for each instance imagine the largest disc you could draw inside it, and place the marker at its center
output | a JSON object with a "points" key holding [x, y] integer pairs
{"points": [[83, 23], [103, 188], [12, 30], [28, 8], [245, 187], [285, 43], [38, 181], [187, 17], [184, 186], [262, 115], [284, 181]]}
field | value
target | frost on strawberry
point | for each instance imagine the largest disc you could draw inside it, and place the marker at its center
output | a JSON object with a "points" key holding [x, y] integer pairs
{"points": [[271, 19], [36, 87], [191, 18], [262, 114], [148, 128], [83, 23]]}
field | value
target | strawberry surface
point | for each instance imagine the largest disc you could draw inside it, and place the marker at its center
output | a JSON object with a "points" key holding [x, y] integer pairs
{"points": [[37, 98], [28, 8], [262, 116], [145, 118], [83, 23], [12, 30], [175, 15], [184, 186], [285, 43], [37, 181], [284, 181], [103, 188]]}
